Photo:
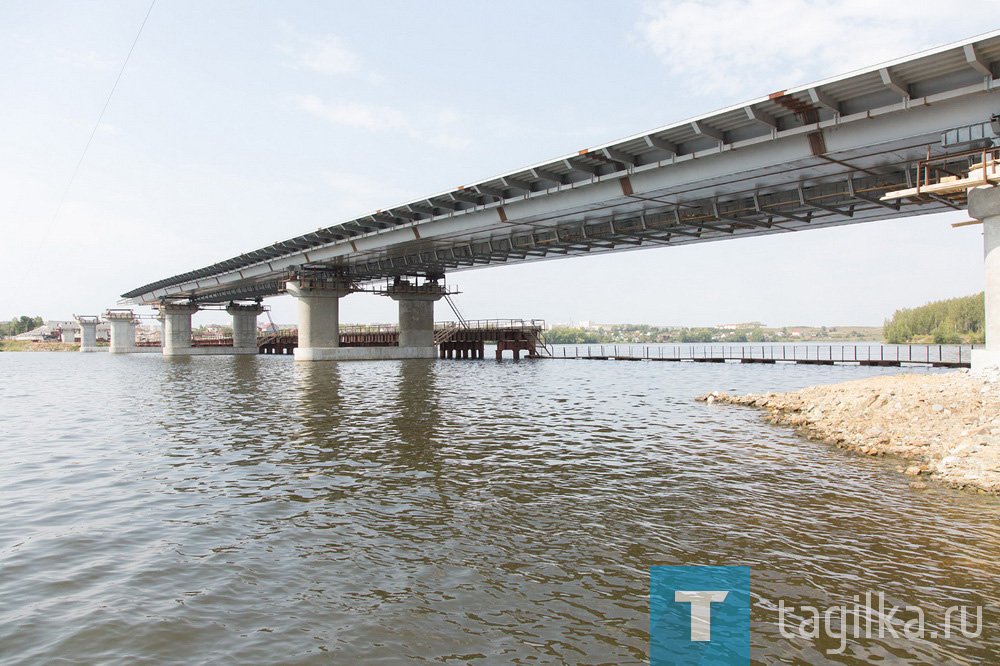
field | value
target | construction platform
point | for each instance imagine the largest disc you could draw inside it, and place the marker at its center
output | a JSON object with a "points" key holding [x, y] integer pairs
{"points": [[466, 339]]}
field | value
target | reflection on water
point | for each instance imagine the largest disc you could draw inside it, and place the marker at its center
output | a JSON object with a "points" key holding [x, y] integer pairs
{"points": [[253, 509]]}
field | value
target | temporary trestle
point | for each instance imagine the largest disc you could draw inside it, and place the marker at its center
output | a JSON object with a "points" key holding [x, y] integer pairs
{"points": [[454, 340], [468, 339]]}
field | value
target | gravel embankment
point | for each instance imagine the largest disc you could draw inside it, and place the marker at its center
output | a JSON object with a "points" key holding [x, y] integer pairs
{"points": [[943, 426]]}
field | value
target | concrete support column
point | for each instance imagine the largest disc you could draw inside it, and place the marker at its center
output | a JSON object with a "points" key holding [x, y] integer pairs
{"points": [[67, 335], [245, 325], [416, 315], [177, 328], [984, 204], [88, 334], [122, 332], [319, 319]]}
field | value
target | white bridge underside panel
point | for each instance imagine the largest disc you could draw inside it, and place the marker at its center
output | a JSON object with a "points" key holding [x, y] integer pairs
{"points": [[808, 158]]}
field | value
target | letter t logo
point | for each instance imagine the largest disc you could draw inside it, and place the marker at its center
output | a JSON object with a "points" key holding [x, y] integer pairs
{"points": [[701, 611]]}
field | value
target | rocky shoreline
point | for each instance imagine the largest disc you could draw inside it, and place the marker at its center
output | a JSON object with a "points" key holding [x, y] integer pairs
{"points": [[943, 427]]}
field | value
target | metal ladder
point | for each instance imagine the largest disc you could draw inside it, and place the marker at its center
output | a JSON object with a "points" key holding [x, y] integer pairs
{"points": [[458, 314]]}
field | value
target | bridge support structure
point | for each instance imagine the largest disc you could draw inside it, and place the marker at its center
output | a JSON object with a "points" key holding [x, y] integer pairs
{"points": [[245, 327], [122, 331], [67, 335], [984, 204], [88, 332], [319, 318], [177, 328], [319, 321], [416, 317]]}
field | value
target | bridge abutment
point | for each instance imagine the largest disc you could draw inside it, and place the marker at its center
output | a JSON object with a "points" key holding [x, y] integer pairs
{"points": [[984, 204]]}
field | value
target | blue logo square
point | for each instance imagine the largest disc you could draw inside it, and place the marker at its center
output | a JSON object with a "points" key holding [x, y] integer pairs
{"points": [[700, 615]]}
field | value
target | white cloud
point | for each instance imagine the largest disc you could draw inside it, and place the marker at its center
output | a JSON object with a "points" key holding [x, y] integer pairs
{"points": [[327, 54], [754, 46], [352, 114], [358, 194], [330, 55], [443, 140], [83, 60], [437, 130]]}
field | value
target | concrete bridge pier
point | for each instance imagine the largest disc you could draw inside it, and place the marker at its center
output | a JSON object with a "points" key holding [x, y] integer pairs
{"points": [[244, 327], [984, 204], [88, 333], [319, 319], [177, 328], [122, 332], [67, 335], [416, 318]]}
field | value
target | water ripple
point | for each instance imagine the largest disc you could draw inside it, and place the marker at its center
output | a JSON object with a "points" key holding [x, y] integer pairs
{"points": [[251, 509]]}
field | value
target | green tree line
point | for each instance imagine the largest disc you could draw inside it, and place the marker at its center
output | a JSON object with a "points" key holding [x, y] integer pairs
{"points": [[19, 325], [951, 321], [641, 333]]}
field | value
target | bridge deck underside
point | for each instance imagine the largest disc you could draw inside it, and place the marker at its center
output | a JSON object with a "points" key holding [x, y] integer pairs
{"points": [[809, 158]]}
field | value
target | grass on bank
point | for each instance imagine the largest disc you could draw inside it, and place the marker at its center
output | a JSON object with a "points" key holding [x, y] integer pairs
{"points": [[28, 346]]}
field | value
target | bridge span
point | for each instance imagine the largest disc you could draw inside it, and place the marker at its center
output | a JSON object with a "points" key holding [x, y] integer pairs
{"points": [[815, 156]]}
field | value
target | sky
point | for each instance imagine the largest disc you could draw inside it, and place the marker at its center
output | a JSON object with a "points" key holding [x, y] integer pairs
{"points": [[237, 124]]}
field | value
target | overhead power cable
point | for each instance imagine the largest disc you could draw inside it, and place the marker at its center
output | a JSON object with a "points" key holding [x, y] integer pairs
{"points": [[83, 154]]}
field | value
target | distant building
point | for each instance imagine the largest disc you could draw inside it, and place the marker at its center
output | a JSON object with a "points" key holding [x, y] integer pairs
{"points": [[148, 334], [51, 331], [271, 328], [214, 331], [740, 327]]}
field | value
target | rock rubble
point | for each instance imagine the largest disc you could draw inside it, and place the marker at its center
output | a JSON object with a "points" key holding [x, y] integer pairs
{"points": [[942, 426]]}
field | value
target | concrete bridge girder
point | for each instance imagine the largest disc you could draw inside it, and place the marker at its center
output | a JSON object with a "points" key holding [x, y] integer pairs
{"points": [[774, 164]]}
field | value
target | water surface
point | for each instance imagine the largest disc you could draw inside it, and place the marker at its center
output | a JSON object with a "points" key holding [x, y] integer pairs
{"points": [[250, 509]]}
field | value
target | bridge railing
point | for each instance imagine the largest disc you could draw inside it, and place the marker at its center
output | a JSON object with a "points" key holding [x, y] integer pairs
{"points": [[212, 342], [874, 353], [369, 328], [494, 324]]}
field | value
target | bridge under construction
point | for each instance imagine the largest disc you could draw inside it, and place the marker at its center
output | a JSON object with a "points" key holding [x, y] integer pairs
{"points": [[835, 152]]}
